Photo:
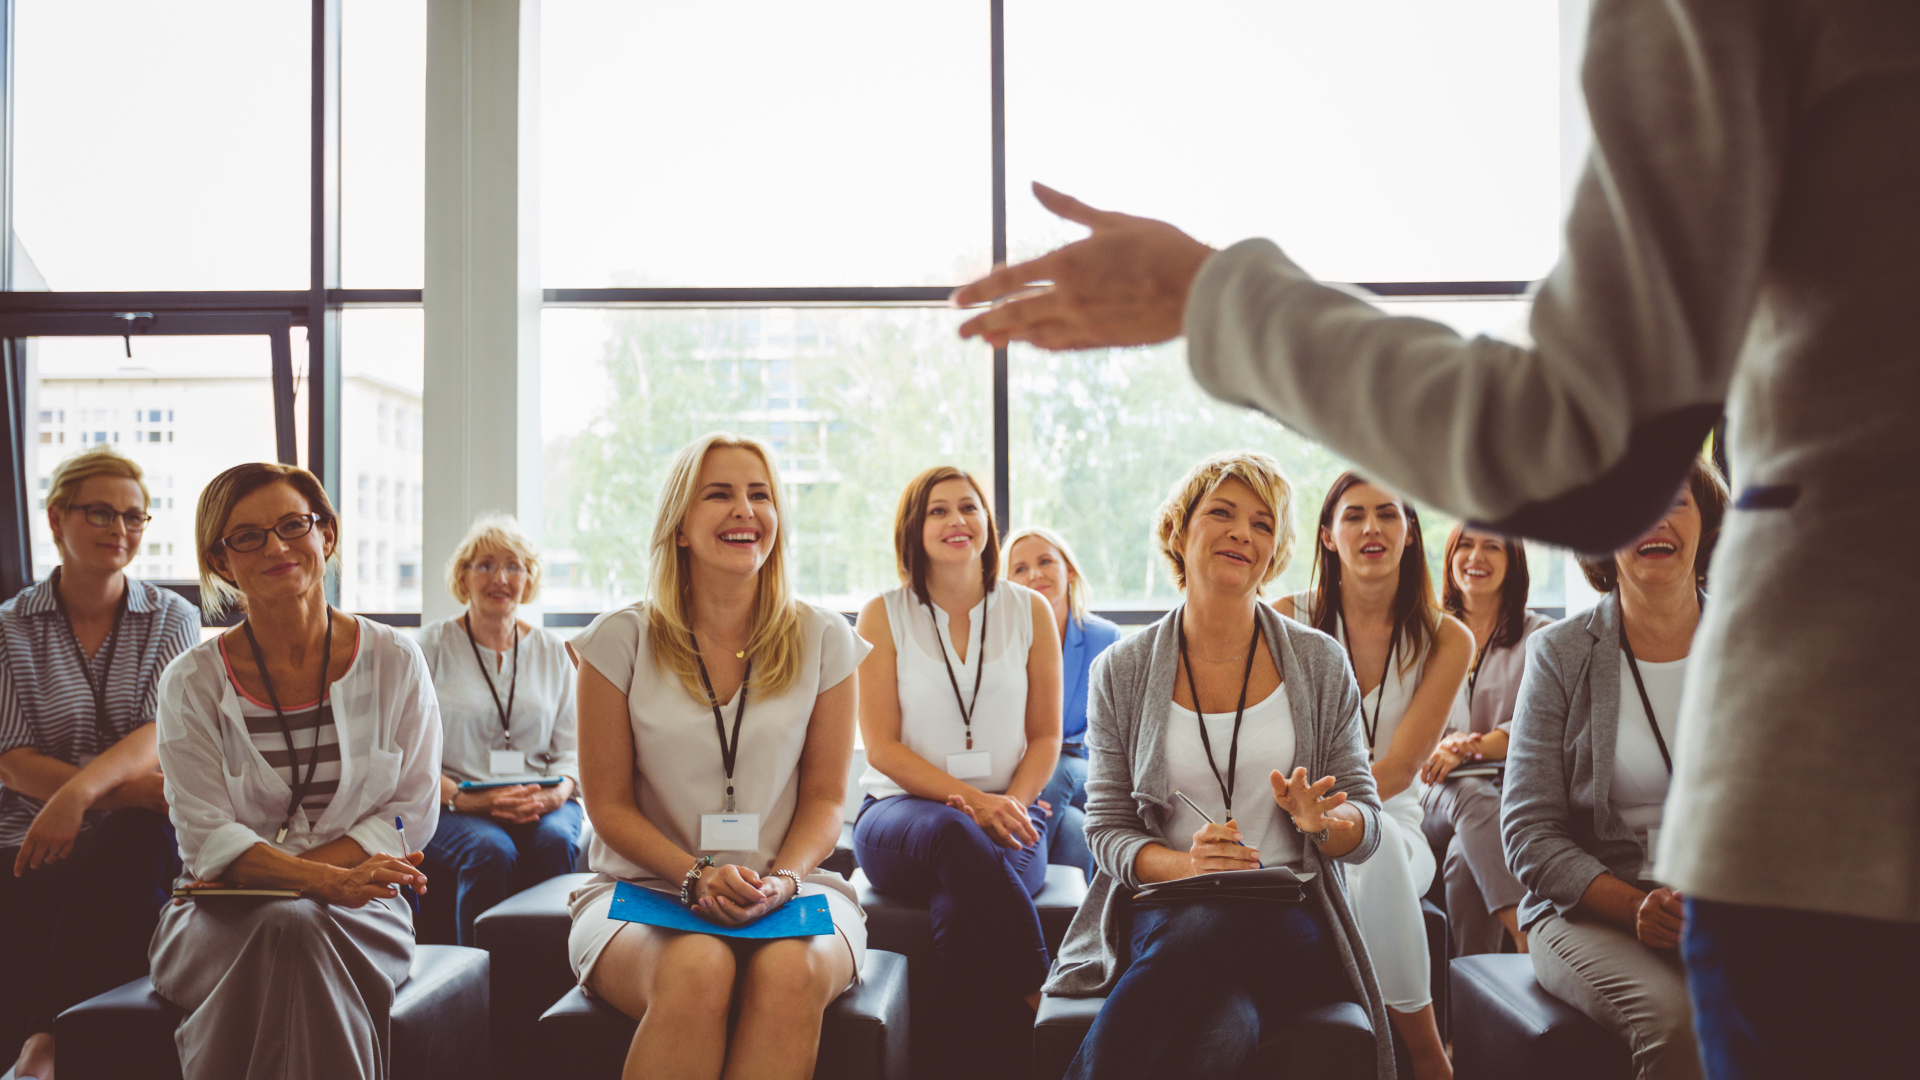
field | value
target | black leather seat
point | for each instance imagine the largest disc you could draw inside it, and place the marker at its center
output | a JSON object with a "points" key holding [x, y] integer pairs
{"points": [[439, 1025], [1332, 1042], [906, 927], [1507, 1028], [864, 1035], [526, 934]]}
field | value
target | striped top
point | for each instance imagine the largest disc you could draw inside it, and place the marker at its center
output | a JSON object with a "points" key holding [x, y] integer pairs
{"points": [[45, 701], [309, 723]]}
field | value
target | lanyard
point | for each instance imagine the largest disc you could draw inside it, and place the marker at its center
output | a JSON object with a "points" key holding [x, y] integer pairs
{"points": [[979, 656], [102, 732], [1233, 748], [728, 753], [1473, 677], [300, 783], [506, 714], [1645, 701], [1373, 725]]}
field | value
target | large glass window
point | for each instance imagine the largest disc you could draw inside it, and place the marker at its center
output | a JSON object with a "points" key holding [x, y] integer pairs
{"points": [[760, 143], [162, 145], [852, 402], [381, 460], [383, 135]]}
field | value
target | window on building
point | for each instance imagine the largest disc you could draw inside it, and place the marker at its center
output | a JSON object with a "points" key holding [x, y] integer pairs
{"points": [[365, 505], [380, 499], [364, 564], [380, 563]]}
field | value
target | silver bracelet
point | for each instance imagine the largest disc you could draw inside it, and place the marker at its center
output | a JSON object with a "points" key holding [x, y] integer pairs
{"points": [[693, 875], [790, 876]]}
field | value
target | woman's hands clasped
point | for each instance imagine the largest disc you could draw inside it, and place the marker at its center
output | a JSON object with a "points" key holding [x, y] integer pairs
{"points": [[1454, 751], [1309, 804], [732, 895], [1000, 816]]}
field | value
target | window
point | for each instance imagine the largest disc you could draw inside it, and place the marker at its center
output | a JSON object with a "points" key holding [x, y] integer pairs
{"points": [[380, 563], [382, 423], [380, 499], [364, 563], [381, 382], [364, 505]]}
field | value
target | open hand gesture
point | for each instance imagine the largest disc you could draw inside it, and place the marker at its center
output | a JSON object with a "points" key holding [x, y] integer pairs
{"points": [[1309, 804]]}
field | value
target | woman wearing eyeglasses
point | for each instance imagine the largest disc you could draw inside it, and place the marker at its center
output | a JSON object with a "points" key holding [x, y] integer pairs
{"points": [[506, 710], [86, 854], [302, 753]]}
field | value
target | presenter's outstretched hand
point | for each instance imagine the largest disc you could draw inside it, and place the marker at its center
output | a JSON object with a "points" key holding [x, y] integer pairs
{"points": [[1126, 284], [1661, 918], [1309, 804]]}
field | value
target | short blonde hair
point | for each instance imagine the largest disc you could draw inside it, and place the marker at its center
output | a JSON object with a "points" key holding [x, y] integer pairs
{"points": [[493, 531], [218, 595], [1076, 582], [777, 641], [1251, 467], [102, 460]]}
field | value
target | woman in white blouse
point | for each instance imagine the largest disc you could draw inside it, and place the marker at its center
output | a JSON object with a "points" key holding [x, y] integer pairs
{"points": [[960, 710], [1374, 596], [506, 704], [301, 751], [721, 692]]}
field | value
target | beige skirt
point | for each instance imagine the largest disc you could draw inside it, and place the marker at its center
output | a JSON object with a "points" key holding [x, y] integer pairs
{"points": [[593, 928]]}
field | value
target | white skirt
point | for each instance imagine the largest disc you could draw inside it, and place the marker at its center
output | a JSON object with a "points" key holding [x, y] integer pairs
{"points": [[593, 928], [1385, 892]]}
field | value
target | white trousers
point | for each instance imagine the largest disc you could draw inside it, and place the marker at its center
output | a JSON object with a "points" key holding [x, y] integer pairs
{"points": [[1385, 892]]}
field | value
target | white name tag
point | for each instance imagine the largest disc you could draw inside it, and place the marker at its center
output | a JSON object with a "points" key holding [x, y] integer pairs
{"points": [[971, 764], [506, 762], [729, 832]]}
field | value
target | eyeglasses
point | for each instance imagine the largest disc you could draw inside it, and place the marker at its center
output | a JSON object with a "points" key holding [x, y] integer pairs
{"points": [[487, 568], [254, 539], [102, 515]]}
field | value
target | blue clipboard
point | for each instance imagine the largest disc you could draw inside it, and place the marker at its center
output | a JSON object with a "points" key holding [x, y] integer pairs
{"points": [[803, 916]]}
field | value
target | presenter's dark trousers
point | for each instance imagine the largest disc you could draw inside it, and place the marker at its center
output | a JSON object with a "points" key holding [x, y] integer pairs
{"points": [[482, 862], [1784, 993], [81, 926], [1202, 978], [988, 949]]}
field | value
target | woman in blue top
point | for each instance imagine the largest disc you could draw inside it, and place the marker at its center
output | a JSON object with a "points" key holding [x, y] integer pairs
{"points": [[1040, 559]]}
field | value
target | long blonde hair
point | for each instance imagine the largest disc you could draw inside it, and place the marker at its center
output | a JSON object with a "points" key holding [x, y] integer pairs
{"points": [[1076, 584], [775, 645]]}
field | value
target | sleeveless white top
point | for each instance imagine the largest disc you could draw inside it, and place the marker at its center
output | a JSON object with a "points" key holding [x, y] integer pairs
{"points": [[930, 719], [1386, 706]]}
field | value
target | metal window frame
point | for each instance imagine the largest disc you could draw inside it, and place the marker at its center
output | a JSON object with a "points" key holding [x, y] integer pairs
{"points": [[318, 307]]}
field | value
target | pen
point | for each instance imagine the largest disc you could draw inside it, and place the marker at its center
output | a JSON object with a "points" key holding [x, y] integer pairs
{"points": [[1204, 816]]}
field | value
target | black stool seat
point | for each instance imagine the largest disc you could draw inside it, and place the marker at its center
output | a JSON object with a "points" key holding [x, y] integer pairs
{"points": [[863, 1035], [439, 1025], [526, 934], [1505, 1027], [1331, 1042]]}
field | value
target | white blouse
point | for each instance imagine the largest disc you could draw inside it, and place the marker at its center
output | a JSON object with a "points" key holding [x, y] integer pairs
{"points": [[1266, 744], [545, 728], [677, 769], [930, 720], [1638, 790], [224, 797]]}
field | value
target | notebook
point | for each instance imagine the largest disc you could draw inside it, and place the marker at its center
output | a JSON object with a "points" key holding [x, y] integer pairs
{"points": [[1276, 883]]}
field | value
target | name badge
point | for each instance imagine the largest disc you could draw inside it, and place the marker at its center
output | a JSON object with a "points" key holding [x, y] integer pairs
{"points": [[971, 764], [729, 832], [507, 762]]}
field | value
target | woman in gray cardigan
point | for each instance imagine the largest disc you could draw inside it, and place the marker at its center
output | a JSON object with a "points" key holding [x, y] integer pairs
{"points": [[1216, 698], [1588, 765]]}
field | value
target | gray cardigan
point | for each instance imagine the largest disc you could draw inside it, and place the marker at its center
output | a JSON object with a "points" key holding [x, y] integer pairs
{"points": [[1129, 798], [1556, 821]]}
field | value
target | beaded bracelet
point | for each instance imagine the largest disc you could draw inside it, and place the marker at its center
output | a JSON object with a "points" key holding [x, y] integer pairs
{"points": [[790, 876], [693, 875]]}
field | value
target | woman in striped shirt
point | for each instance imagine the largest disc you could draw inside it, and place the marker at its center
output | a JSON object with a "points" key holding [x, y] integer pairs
{"points": [[302, 752], [86, 853]]}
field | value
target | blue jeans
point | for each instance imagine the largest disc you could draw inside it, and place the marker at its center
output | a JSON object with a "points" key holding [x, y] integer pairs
{"points": [[490, 861], [1204, 977], [1069, 844], [1784, 993]]}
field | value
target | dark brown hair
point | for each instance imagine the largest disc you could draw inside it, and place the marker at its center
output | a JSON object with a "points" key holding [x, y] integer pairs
{"points": [[224, 492], [1415, 619], [1513, 589], [1710, 496], [910, 548]]}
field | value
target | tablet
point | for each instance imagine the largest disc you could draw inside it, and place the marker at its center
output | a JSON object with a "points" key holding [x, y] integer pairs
{"points": [[536, 781]]}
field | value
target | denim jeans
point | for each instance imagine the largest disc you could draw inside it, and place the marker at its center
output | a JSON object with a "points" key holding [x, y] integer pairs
{"points": [[1069, 844], [490, 861], [1784, 993], [1204, 976]]}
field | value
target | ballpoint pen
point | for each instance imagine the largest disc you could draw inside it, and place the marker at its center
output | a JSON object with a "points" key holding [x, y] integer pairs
{"points": [[1204, 816]]}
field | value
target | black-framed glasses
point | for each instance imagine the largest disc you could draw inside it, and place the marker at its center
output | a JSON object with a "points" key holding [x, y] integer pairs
{"points": [[254, 539], [102, 516]]}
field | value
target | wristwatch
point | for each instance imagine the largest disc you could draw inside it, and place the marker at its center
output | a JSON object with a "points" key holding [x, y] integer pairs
{"points": [[1320, 837]]}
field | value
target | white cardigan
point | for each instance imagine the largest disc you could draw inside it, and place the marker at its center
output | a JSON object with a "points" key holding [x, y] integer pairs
{"points": [[225, 798]]}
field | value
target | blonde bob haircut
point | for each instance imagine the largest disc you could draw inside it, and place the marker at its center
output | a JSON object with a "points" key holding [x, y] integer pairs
{"points": [[775, 645], [493, 531], [1076, 584], [1251, 467], [102, 460], [218, 593]]}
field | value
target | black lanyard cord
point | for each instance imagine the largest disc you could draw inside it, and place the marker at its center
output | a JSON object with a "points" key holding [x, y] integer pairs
{"points": [[980, 668], [1239, 712], [299, 784], [1645, 701], [729, 752], [1372, 725], [506, 714], [103, 734]]}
